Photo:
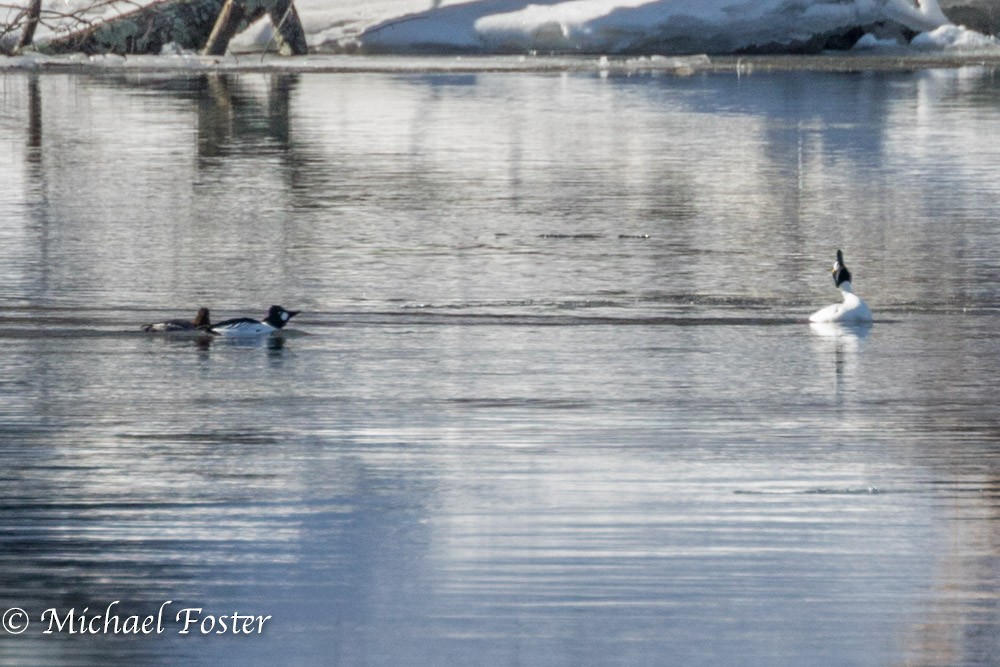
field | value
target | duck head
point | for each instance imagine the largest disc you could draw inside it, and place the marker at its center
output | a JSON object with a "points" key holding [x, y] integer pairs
{"points": [[840, 272], [278, 317]]}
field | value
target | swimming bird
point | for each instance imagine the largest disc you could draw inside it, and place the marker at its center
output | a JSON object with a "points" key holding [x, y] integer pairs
{"points": [[853, 310], [277, 317], [201, 322]]}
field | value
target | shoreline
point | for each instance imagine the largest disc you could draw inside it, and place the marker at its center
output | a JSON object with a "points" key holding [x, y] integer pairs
{"points": [[423, 64]]}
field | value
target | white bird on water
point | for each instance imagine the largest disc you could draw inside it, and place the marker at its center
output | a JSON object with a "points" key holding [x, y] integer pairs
{"points": [[853, 310], [277, 318]]}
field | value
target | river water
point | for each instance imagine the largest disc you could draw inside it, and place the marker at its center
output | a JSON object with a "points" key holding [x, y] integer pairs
{"points": [[552, 397]]}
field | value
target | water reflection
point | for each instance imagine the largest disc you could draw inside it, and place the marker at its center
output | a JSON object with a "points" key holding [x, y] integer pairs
{"points": [[34, 120], [845, 342], [553, 400], [232, 114]]}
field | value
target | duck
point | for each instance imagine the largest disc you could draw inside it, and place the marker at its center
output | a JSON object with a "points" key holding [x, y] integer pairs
{"points": [[852, 310], [277, 317], [201, 322]]}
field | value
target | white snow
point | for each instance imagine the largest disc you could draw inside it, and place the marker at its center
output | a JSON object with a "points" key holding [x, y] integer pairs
{"points": [[662, 26], [954, 37], [592, 26]]}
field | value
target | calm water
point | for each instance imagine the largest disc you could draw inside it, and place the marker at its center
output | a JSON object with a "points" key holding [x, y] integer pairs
{"points": [[552, 398]]}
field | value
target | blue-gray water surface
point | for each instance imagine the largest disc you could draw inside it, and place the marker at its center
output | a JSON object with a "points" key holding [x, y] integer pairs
{"points": [[552, 398]]}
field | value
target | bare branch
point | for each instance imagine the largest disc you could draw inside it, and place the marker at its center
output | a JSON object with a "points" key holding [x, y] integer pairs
{"points": [[27, 19], [141, 26]]}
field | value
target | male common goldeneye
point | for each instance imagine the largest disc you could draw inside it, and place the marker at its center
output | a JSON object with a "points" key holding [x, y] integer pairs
{"points": [[201, 322], [277, 317], [853, 309]]}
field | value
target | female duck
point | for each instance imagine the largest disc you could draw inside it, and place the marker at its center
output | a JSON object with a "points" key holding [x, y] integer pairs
{"points": [[201, 322], [853, 310]]}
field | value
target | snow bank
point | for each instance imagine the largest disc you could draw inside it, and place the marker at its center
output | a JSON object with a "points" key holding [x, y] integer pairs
{"points": [[663, 26], [603, 26], [954, 37]]}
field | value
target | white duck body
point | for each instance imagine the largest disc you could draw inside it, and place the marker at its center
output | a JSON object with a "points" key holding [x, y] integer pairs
{"points": [[243, 327], [277, 318], [851, 310]]}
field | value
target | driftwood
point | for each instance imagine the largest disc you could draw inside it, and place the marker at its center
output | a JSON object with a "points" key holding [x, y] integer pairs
{"points": [[190, 24], [34, 12]]}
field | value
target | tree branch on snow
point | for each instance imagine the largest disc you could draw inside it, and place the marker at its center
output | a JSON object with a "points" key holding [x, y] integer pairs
{"points": [[146, 28]]}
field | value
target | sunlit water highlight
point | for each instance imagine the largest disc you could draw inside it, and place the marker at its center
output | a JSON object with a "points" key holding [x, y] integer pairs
{"points": [[553, 397]]}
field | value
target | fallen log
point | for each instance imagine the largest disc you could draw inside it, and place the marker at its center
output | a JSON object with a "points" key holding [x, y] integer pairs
{"points": [[190, 24], [227, 25], [235, 16], [34, 11]]}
